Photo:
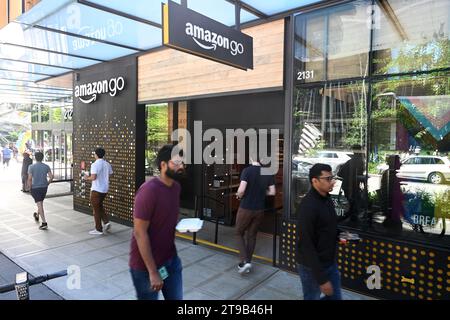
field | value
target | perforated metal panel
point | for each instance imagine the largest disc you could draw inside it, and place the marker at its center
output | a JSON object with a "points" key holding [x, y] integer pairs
{"points": [[109, 122], [406, 270], [118, 139]]}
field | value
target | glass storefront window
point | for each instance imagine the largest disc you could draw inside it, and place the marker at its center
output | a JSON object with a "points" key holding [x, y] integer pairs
{"points": [[398, 138], [409, 165], [329, 126], [35, 114], [56, 115], [333, 43], [411, 36], [158, 134], [45, 114]]}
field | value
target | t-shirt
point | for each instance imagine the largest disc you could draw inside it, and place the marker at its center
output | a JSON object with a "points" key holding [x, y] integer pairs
{"points": [[6, 153], [255, 192], [102, 169], [159, 204], [39, 172]]}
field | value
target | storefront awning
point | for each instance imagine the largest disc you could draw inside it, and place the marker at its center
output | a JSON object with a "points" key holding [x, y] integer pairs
{"points": [[57, 37]]}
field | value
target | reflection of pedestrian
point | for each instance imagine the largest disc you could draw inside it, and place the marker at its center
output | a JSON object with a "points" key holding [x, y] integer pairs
{"points": [[27, 161], [6, 152], [318, 234], [14, 151], [154, 263], [37, 181], [252, 190], [100, 172], [392, 195], [352, 174]]}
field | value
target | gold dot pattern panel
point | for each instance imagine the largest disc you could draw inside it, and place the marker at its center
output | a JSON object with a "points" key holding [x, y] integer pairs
{"points": [[406, 270], [117, 137]]}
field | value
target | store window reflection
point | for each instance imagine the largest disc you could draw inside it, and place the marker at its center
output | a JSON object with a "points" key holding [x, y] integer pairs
{"points": [[409, 166], [333, 43], [157, 119], [412, 36], [329, 127]]}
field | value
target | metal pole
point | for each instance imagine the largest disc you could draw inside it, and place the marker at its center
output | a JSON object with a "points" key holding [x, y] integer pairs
{"points": [[275, 232], [237, 15], [194, 237]]}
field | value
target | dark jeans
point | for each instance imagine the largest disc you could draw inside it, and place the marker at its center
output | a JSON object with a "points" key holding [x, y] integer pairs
{"points": [[97, 199], [311, 289], [247, 223], [173, 284]]}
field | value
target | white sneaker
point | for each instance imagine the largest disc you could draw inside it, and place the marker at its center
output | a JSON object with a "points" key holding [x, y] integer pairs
{"points": [[245, 268], [95, 232], [106, 227]]}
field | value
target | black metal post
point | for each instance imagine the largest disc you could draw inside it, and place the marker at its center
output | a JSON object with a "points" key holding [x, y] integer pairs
{"points": [[275, 233], [194, 237], [237, 15]]}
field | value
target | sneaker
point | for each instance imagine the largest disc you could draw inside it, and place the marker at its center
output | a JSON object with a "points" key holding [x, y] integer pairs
{"points": [[43, 226], [95, 232], [36, 216], [244, 267], [106, 227]]}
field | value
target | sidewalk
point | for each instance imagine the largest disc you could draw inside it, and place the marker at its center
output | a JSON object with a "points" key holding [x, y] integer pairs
{"points": [[103, 260]]}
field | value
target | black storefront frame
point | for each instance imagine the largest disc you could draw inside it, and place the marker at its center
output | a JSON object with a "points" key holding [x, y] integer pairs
{"points": [[420, 251]]}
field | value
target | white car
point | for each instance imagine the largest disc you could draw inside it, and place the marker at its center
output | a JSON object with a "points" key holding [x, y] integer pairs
{"points": [[333, 158], [433, 169]]}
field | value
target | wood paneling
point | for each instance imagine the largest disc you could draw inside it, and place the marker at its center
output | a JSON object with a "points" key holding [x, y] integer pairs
{"points": [[65, 81], [3, 13], [168, 73], [30, 4], [15, 9]]}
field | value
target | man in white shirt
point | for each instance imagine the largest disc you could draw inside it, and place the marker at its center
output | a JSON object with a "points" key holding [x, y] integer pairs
{"points": [[100, 172]]}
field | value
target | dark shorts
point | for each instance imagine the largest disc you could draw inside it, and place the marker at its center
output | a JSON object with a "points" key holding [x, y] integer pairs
{"points": [[39, 194]]}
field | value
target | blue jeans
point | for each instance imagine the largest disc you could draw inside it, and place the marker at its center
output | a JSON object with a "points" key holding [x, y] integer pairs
{"points": [[173, 284], [311, 289]]}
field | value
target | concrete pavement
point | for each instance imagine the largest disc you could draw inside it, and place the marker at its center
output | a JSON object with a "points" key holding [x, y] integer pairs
{"points": [[103, 260]]}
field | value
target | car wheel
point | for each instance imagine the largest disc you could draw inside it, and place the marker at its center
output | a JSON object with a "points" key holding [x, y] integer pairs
{"points": [[436, 178]]}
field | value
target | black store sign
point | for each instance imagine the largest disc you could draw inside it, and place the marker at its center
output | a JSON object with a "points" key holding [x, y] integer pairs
{"points": [[191, 32]]}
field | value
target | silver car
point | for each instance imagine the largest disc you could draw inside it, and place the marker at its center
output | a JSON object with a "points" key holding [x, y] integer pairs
{"points": [[433, 169]]}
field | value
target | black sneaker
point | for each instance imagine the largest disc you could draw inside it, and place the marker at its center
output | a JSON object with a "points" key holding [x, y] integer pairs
{"points": [[36, 216], [43, 226]]}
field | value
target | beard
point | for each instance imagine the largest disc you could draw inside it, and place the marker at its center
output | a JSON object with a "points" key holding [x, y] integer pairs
{"points": [[175, 175]]}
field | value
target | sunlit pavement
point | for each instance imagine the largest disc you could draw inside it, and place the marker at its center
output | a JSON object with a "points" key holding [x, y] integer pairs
{"points": [[103, 260]]}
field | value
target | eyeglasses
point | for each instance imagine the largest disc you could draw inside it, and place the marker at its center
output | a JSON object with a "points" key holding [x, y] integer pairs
{"points": [[177, 162], [328, 178]]}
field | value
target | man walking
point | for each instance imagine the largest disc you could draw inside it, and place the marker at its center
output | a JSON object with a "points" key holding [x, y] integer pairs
{"points": [[252, 190], [154, 263], [6, 152], [100, 172], [37, 181], [318, 236]]}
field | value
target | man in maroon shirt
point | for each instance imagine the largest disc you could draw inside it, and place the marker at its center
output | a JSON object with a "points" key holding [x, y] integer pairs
{"points": [[154, 263]]}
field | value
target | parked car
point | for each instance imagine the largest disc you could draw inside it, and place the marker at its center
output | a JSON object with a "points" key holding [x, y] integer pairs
{"points": [[333, 158], [300, 169], [433, 169]]}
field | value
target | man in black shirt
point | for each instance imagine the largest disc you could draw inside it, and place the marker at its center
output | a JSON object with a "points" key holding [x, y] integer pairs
{"points": [[252, 190], [318, 236]]}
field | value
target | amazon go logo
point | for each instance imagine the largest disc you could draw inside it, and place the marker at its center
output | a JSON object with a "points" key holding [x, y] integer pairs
{"points": [[88, 92], [210, 40]]}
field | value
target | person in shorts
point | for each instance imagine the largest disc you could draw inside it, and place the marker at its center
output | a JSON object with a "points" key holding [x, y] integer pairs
{"points": [[38, 182]]}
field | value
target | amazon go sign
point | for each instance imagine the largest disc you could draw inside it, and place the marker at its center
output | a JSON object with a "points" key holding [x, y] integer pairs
{"points": [[89, 92], [191, 32]]}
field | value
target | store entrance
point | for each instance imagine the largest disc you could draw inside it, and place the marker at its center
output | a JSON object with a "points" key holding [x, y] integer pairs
{"points": [[217, 204]]}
